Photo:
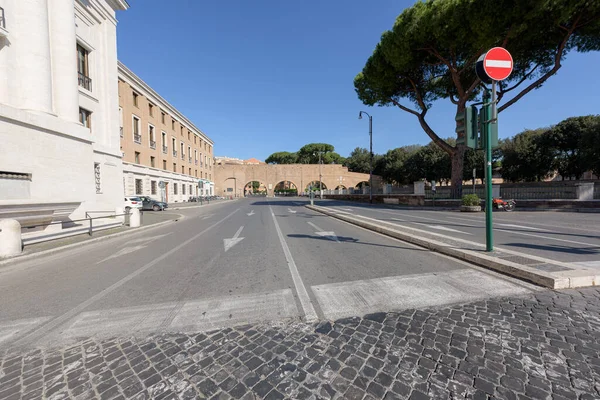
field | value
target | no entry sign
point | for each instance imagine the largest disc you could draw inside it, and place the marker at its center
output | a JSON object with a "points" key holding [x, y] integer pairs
{"points": [[498, 63]]}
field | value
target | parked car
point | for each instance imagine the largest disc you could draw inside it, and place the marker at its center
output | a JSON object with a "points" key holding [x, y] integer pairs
{"points": [[148, 203], [133, 202]]}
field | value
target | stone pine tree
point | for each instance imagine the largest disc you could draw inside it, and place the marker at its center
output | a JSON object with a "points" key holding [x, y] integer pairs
{"points": [[431, 51]]}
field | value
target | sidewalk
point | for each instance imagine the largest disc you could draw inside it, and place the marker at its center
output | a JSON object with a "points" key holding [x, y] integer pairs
{"points": [[150, 219], [526, 348], [545, 272]]}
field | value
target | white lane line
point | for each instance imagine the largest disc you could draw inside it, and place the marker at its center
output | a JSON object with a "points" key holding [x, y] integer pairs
{"points": [[546, 226], [444, 228], [320, 232], [47, 327], [398, 219], [309, 311], [545, 237], [147, 239], [338, 300], [518, 226]]}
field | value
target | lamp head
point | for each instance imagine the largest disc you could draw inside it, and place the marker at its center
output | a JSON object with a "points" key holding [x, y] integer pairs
{"points": [[360, 115]]}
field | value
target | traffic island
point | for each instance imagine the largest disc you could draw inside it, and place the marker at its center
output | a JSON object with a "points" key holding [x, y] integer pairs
{"points": [[541, 271]]}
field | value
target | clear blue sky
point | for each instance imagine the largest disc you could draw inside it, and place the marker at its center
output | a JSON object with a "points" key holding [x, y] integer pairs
{"points": [[270, 75]]}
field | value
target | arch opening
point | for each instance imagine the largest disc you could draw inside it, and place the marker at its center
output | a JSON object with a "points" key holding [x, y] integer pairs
{"points": [[285, 188], [255, 188]]}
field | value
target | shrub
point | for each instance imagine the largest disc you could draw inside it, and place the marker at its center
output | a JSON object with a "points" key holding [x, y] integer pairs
{"points": [[470, 200]]}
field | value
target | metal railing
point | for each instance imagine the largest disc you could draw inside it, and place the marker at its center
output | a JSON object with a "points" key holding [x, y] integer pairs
{"points": [[597, 191], [2, 19], [174, 153], [539, 193], [152, 144], [85, 81], [137, 138], [87, 218], [190, 159], [165, 149]]}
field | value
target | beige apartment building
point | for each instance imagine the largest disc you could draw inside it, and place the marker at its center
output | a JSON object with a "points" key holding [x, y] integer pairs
{"points": [[165, 156]]}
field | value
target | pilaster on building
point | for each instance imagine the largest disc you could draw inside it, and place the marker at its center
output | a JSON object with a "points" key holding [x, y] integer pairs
{"points": [[59, 112]]}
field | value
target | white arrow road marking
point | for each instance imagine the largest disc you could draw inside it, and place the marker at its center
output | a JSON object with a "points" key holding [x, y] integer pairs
{"points": [[229, 243], [250, 213], [207, 216], [320, 232], [122, 252], [443, 228], [292, 211]]}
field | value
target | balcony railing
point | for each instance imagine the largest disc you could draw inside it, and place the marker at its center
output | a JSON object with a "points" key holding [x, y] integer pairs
{"points": [[121, 131], [196, 162], [165, 149], [85, 81], [174, 153], [190, 159], [152, 144], [137, 138], [182, 156]]}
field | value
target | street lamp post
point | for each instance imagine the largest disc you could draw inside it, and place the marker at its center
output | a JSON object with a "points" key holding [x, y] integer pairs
{"points": [[370, 154], [320, 176]]}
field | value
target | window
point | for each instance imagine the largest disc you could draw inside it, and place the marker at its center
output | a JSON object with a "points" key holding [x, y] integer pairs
{"points": [[162, 117], [97, 178], [152, 187], [165, 165], [150, 109], [195, 137], [135, 99], [182, 151], [173, 124], [209, 148], [83, 68], [189, 136], [136, 130], [164, 142], [210, 177], [190, 172], [181, 130], [190, 153], [174, 146], [137, 157], [190, 189], [121, 121], [174, 188], [85, 117], [151, 136], [138, 186], [195, 156], [152, 161], [182, 169], [174, 167], [196, 173], [182, 188], [204, 146]]}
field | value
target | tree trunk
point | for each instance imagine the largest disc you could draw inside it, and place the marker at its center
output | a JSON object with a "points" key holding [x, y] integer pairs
{"points": [[458, 158]]}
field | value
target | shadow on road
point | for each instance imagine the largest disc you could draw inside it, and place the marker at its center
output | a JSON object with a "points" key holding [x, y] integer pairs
{"points": [[557, 248], [346, 239]]}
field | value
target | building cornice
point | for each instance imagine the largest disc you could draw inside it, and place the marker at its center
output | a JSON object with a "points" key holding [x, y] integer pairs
{"points": [[139, 85], [118, 5]]}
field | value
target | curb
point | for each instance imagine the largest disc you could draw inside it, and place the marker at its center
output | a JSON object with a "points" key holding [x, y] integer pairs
{"points": [[191, 207], [560, 280], [26, 257]]}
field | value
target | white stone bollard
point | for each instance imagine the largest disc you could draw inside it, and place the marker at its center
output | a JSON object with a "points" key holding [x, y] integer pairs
{"points": [[135, 219], [121, 218], [10, 237]]}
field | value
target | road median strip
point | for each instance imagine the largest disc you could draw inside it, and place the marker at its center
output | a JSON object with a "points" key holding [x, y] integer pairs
{"points": [[541, 271]]}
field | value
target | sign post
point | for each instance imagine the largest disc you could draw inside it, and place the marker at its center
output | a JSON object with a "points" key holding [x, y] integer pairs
{"points": [[495, 65]]}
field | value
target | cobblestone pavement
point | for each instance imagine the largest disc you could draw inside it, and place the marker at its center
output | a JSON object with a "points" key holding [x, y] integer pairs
{"points": [[539, 347]]}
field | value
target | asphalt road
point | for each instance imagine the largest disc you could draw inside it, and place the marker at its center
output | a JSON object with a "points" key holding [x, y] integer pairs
{"points": [[247, 261], [563, 236]]}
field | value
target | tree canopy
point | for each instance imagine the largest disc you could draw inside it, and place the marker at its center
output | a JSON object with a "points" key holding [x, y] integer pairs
{"points": [[431, 51], [282, 157], [308, 154]]}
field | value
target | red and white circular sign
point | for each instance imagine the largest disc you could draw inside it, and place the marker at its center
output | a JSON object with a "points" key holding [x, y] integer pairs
{"points": [[498, 63]]}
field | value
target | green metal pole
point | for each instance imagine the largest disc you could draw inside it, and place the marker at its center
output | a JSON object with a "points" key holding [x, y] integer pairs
{"points": [[489, 234]]}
